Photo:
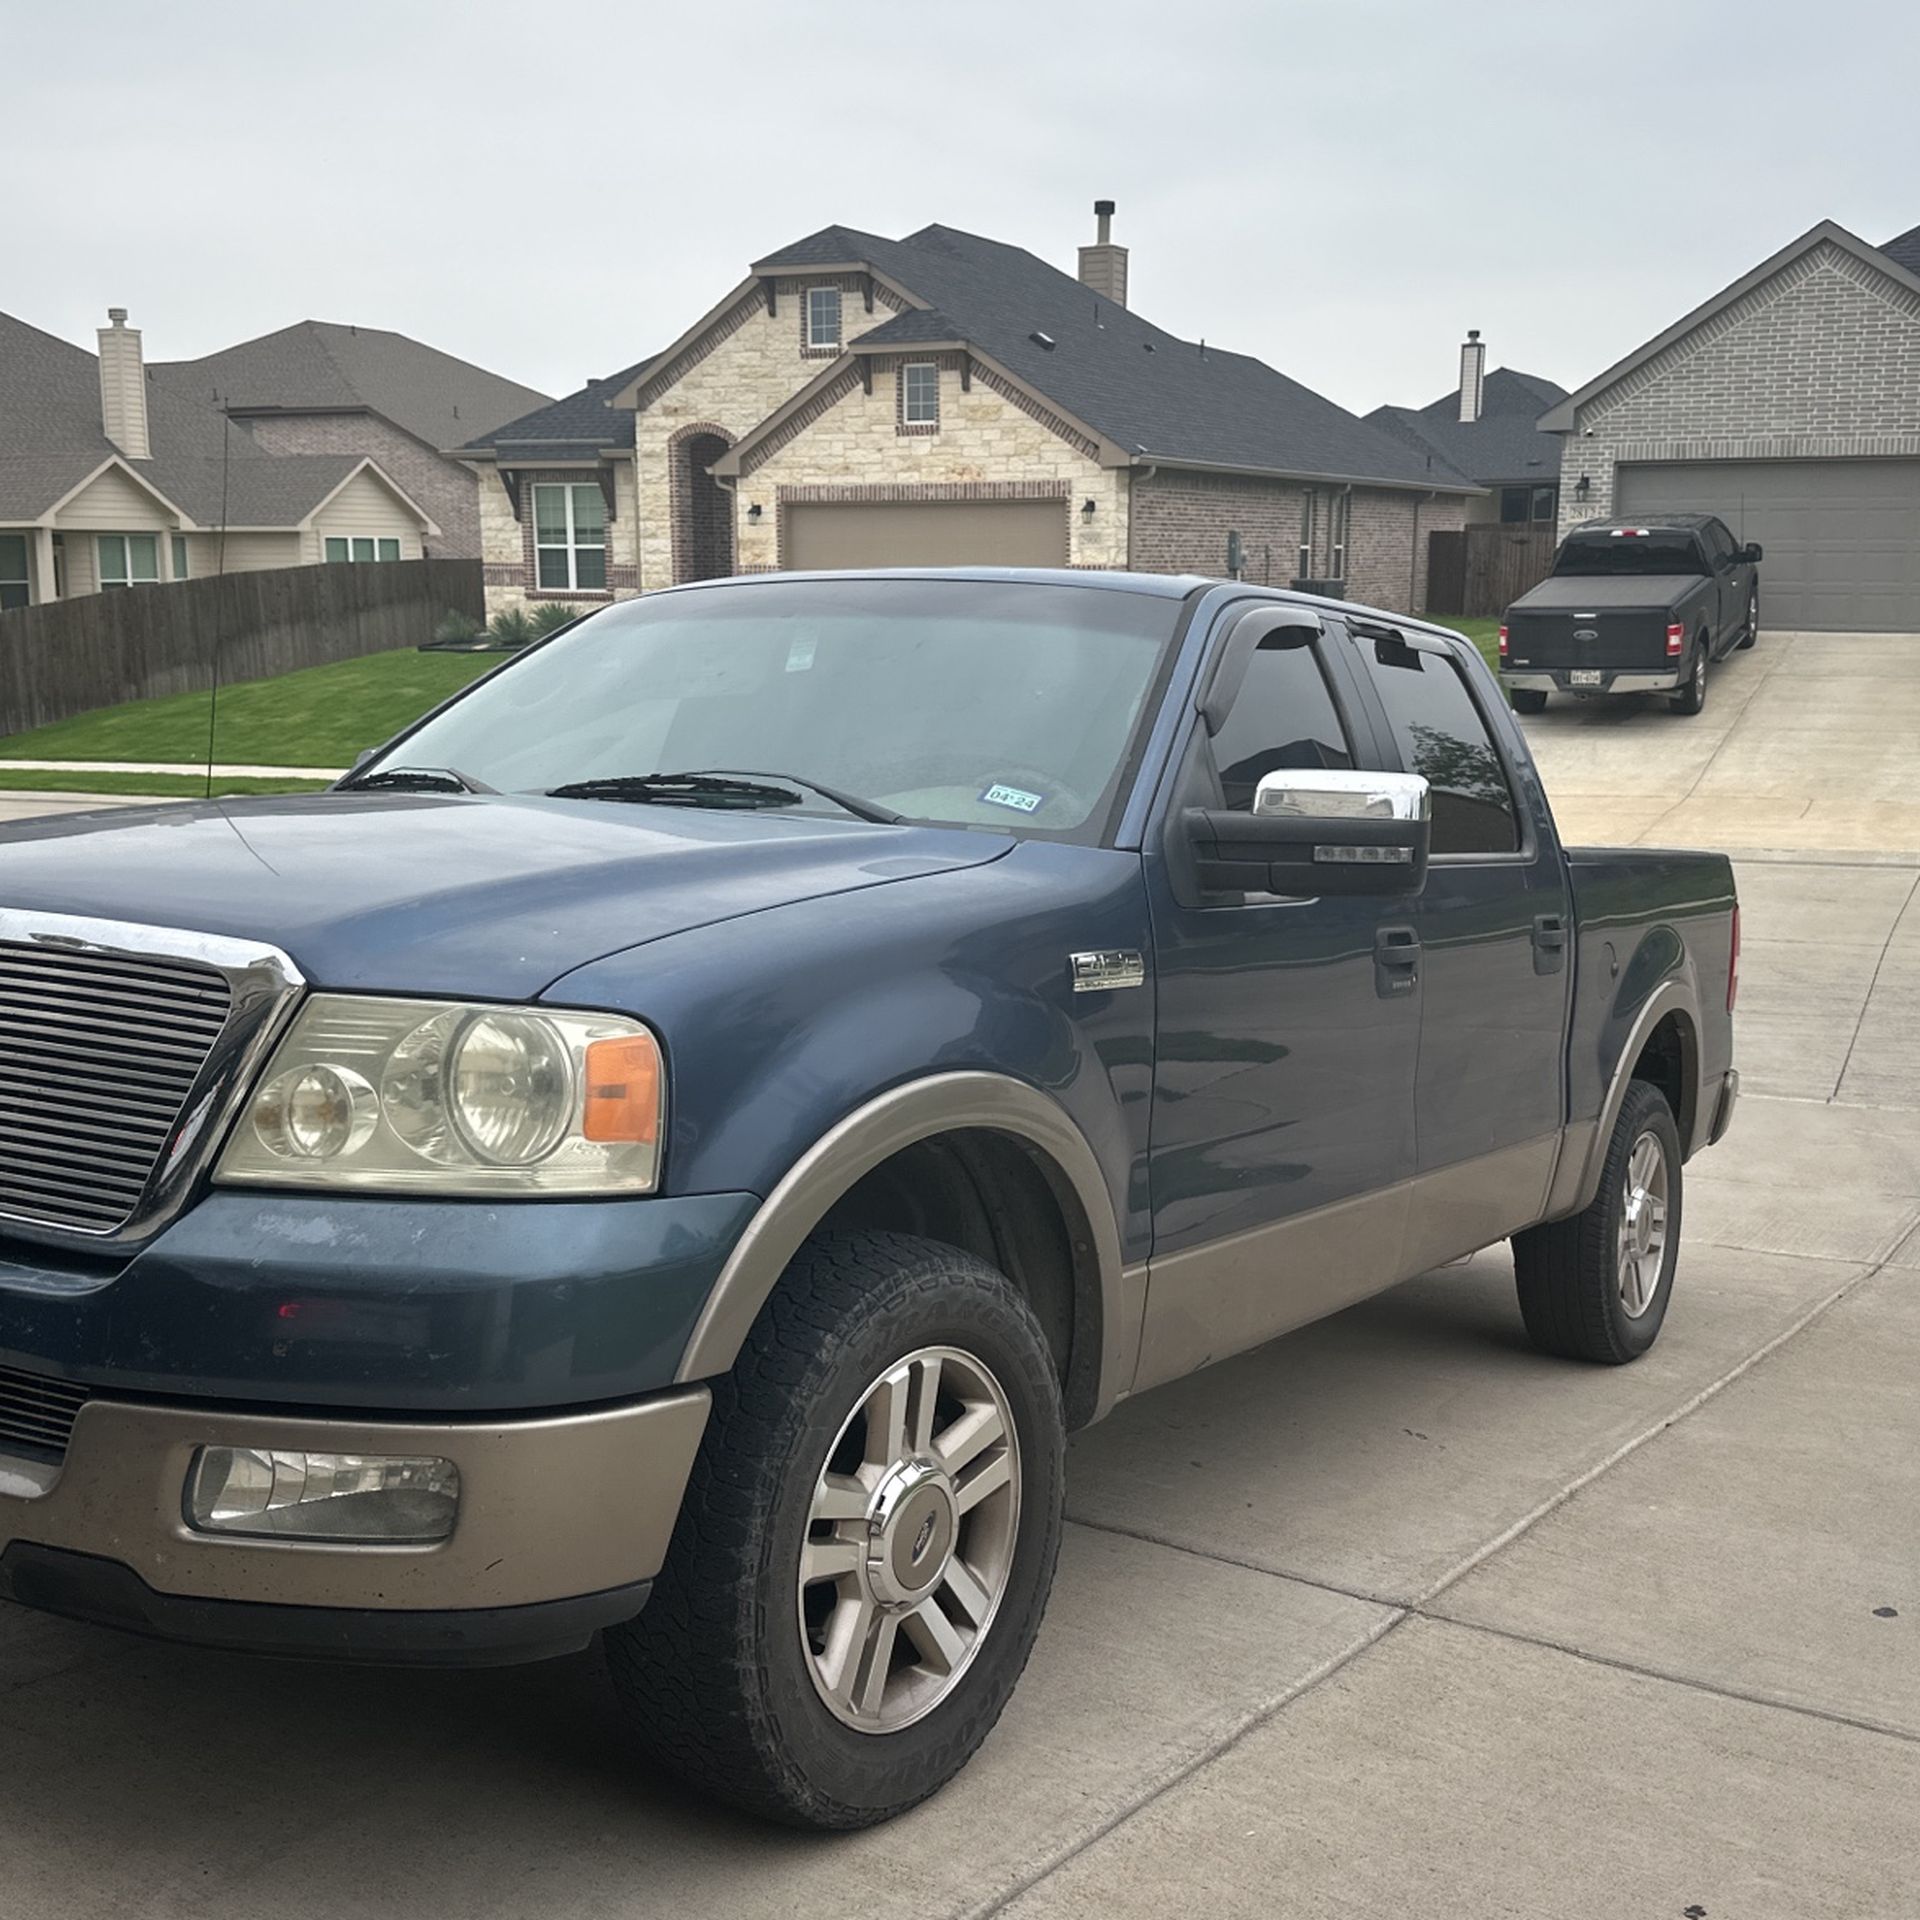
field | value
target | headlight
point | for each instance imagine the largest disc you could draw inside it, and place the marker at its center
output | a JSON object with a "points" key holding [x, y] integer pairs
{"points": [[421, 1095]]}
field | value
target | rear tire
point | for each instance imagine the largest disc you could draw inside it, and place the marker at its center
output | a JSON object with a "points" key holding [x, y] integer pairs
{"points": [[1527, 699], [1692, 698], [1596, 1287], [835, 1633]]}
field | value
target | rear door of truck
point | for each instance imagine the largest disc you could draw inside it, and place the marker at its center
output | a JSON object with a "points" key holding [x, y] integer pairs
{"points": [[1495, 933]]}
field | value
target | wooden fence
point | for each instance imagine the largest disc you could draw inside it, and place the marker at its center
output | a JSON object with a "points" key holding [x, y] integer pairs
{"points": [[1485, 568], [132, 643]]}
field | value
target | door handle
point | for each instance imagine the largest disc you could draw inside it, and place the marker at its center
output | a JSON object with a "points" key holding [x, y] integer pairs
{"points": [[1549, 942], [1396, 961]]}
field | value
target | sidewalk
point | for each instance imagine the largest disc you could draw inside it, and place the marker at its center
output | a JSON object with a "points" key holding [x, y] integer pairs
{"points": [[191, 769]]}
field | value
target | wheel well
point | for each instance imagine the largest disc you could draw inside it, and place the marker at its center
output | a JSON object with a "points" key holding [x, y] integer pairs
{"points": [[1667, 1063], [1003, 1201]]}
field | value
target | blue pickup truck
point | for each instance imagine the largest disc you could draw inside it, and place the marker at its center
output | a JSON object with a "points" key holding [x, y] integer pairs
{"points": [[673, 1142]]}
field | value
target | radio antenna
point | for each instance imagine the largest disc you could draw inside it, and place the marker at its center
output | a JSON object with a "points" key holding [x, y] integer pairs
{"points": [[220, 572]]}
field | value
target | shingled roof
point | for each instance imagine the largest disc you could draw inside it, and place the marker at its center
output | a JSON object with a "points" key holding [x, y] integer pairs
{"points": [[1904, 250], [1503, 447], [573, 428], [1150, 393], [318, 366], [202, 463]]}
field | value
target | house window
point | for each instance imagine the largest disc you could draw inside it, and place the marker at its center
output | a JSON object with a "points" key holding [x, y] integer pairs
{"points": [[360, 547], [1518, 505], [129, 559], [570, 538], [920, 394], [13, 571], [179, 556], [823, 319]]}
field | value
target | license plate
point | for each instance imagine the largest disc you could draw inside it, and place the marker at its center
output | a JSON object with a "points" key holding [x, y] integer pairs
{"points": [[1585, 677]]}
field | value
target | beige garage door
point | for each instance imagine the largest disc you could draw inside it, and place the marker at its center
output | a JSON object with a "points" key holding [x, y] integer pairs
{"points": [[1842, 537], [928, 533]]}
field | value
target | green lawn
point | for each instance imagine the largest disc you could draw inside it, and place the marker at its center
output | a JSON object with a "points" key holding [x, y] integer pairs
{"points": [[166, 786], [319, 717]]}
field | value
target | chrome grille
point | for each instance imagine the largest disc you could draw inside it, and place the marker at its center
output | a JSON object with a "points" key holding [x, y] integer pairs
{"points": [[98, 1053], [37, 1412]]}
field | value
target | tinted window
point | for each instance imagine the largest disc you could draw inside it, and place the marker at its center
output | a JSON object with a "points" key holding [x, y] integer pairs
{"points": [[1440, 734], [1631, 553], [1283, 716]]}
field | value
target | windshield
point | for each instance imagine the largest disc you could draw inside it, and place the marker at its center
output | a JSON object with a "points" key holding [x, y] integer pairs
{"points": [[1591, 554], [973, 702]]}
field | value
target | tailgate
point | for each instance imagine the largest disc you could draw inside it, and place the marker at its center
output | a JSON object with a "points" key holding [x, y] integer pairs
{"points": [[1603, 637]]}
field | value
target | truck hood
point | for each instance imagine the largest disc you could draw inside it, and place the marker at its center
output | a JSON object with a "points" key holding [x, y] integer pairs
{"points": [[1611, 593], [494, 896]]}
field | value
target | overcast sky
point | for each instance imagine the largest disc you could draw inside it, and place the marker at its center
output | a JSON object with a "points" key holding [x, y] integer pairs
{"points": [[556, 190]]}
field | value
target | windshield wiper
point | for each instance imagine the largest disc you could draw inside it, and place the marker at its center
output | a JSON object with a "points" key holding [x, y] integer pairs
{"points": [[860, 809], [417, 779], [717, 790]]}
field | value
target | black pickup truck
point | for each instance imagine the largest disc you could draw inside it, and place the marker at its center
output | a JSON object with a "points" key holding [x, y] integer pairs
{"points": [[1632, 608]]}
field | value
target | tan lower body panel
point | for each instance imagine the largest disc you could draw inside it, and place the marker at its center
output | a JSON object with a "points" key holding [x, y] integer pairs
{"points": [[550, 1509], [1205, 1303]]}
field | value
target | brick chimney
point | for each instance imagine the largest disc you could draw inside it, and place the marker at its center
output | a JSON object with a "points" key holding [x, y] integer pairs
{"points": [[123, 386], [1103, 266], [1473, 376]]}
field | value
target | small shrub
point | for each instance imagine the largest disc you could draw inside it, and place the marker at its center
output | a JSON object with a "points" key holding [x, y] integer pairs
{"points": [[553, 614], [511, 627], [454, 626]]}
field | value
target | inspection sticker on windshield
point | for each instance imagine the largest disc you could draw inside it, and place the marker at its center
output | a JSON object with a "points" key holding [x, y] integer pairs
{"points": [[1015, 797], [800, 655]]}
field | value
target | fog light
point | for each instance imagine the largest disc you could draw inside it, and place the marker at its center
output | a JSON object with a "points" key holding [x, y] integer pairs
{"points": [[369, 1499]]}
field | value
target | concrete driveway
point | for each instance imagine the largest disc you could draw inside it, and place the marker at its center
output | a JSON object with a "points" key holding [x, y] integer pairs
{"points": [[1810, 742], [1390, 1618]]}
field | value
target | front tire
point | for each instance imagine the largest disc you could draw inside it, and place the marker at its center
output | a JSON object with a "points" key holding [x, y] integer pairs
{"points": [[1692, 698], [867, 1541], [1596, 1287], [1527, 699], [1752, 633]]}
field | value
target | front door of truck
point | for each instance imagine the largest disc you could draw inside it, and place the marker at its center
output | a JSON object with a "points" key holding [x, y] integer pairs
{"points": [[1495, 927], [1288, 1034]]}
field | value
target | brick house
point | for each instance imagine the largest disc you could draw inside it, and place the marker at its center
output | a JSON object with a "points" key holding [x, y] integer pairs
{"points": [[321, 388], [946, 399], [1788, 404], [110, 478]]}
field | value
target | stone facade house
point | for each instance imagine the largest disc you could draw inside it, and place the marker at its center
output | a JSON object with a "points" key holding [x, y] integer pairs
{"points": [[321, 388], [1789, 405], [947, 399], [109, 478], [1487, 427]]}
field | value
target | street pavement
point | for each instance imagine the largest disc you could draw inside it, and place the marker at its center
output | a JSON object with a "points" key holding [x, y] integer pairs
{"points": [[1393, 1617]]}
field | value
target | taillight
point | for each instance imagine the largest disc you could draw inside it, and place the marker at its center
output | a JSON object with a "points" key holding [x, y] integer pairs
{"points": [[1733, 961], [1503, 643], [1676, 642]]}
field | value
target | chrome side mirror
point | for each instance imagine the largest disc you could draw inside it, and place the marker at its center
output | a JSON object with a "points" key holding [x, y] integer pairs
{"points": [[1319, 831], [1341, 793]]}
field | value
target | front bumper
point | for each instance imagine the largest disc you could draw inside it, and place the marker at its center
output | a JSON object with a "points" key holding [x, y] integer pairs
{"points": [[563, 1522], [1560, 680]]}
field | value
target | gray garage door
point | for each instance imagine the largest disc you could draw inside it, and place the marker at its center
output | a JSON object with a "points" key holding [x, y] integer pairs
{"points": [[928, 533], [1842, 537]]}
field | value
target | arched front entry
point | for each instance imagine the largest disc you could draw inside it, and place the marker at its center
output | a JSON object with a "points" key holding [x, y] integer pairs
{"points": [[702, 508]]}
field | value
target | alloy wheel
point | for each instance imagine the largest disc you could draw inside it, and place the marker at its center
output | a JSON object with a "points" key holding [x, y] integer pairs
{"points": [[910, 1539], [1642, 1241]]}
